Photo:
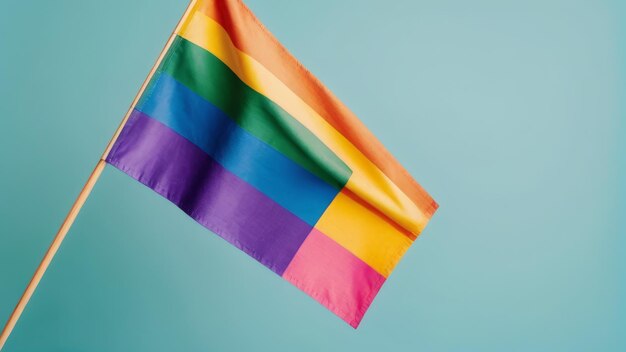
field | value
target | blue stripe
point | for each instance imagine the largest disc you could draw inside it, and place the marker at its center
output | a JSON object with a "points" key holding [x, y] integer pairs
{"points": [[287, 183]]}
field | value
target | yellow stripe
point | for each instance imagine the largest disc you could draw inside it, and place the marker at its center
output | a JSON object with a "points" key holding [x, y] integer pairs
{"points": [[368, 182], [364, 234]]}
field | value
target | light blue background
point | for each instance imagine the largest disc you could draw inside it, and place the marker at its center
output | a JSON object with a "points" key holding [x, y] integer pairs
{"points": [[511, 113]]}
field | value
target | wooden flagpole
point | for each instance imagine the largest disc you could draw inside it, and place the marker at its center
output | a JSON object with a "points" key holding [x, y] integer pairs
{"points": [[82, 196]]}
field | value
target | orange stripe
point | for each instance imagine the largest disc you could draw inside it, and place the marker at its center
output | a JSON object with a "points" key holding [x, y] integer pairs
{"points": [[251, 37], [367, 181]]}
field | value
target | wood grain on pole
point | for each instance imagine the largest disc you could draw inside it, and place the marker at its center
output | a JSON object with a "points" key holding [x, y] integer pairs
{"points": [[82, 196], [54, 247]]}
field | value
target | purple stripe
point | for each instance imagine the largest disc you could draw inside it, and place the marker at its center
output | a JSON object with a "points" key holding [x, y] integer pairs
{"points": [[172, 166]]}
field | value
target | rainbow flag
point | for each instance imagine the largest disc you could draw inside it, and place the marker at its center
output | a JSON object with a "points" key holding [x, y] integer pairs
{"points": [[239, 135]]}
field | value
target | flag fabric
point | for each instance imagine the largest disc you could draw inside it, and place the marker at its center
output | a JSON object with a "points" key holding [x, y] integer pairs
{"points": [[239, 135]]}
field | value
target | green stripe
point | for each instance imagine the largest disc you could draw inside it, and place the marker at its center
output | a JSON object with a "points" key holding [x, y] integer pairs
{"points": [[210, 78]]}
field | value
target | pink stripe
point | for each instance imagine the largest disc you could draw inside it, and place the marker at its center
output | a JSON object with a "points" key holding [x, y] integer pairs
{"points": [[334, 277]]}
